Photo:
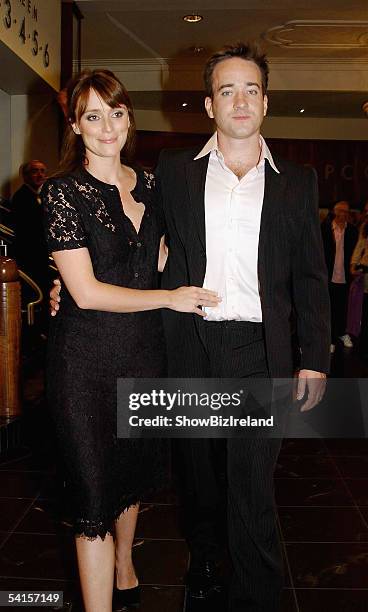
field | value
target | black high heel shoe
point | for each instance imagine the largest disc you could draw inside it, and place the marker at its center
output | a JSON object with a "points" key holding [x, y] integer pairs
{"points": [[123, 599]]}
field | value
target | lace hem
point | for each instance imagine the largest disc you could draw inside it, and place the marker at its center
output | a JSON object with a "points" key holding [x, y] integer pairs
{"points": [[89, 529], [93, 529]]}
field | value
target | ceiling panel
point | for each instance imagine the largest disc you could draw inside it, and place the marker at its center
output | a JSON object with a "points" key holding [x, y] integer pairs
{"points": [[126, 35]]}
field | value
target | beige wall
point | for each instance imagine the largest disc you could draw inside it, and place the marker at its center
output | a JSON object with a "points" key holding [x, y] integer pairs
{"points": [[28, 130], [34, 132], [44, 17], [5, 144]]}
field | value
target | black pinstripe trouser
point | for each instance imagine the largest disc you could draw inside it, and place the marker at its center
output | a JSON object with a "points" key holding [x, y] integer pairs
{"points": [[236, 350]]}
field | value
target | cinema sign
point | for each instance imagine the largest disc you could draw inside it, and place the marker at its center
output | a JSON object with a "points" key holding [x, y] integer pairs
{"points": [[32, 30]]}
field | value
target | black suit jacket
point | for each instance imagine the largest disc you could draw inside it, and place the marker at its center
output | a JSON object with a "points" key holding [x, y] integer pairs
{"points": [[30, 244], [329, 244], [291, 266]]}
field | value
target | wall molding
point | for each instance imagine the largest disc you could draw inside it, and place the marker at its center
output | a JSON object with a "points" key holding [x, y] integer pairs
{"points": [[286, 35]]}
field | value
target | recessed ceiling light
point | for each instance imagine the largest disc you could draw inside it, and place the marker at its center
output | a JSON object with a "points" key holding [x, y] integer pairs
{"points": [[302, 110], [185, 104], [197, 50], [192, 18]]}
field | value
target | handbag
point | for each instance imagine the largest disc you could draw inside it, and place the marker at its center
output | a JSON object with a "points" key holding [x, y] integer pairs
{"points": [[355, 306]]}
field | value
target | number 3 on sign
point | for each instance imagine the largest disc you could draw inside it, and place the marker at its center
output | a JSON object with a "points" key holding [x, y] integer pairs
{"points": [[8, 16]]}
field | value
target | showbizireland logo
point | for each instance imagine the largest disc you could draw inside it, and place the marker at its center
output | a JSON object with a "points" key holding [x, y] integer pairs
{"points": [[211, 421], [190, 407], [241, 408]]}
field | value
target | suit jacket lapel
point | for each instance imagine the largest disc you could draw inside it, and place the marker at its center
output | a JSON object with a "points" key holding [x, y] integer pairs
{"points": [[273, 195], [196, 172]]}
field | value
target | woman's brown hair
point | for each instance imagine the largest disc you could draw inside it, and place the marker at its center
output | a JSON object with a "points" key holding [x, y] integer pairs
{"points": [[74, 102]]}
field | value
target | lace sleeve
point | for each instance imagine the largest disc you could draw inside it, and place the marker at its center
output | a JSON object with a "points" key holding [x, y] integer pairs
{"points": [[63, 224]]}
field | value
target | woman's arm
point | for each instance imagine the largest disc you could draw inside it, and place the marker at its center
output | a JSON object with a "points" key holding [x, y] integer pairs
{"points": [[76, 270], [356, 256]]}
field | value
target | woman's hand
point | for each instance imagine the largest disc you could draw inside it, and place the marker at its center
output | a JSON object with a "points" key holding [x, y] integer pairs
{"points": [[188, 299], [55, 297]]}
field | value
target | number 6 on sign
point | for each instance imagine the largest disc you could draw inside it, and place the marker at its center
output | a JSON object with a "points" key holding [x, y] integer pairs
{"points": [[46, 56]]}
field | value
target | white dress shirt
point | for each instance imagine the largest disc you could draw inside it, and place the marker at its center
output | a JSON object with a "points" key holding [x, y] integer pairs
{"points": [[233, 210]]}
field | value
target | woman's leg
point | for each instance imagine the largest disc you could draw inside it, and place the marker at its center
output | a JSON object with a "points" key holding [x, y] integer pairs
{"points": [[125, 528], [96, 562]]}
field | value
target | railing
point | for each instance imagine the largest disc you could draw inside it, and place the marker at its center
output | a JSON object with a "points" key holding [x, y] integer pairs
{"points": [[31, 305], [7, 232]]}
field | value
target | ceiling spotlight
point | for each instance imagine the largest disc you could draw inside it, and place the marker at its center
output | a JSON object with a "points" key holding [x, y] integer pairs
{"points": [[197, 50], [192, 18], [185, 104], [302, 110]]}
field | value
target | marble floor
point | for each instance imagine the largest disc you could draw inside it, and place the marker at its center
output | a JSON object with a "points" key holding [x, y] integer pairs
{"points": [[322, 500]]}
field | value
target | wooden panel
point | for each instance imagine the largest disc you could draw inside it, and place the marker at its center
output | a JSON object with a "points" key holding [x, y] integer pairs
{"points": [[10, 333], [342, 166]]}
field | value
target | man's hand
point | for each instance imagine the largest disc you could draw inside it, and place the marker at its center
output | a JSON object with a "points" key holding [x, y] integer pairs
{"points": [[314, 383], [55, 297]]}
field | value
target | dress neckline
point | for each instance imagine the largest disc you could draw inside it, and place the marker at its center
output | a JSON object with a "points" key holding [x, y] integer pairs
{"points": [[109, 186]]}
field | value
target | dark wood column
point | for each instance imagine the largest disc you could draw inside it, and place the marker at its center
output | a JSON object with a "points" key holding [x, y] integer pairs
{"points": [[70, 39]]}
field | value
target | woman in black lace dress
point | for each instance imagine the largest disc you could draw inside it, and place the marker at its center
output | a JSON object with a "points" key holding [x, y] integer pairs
{"points": [[104, 230]]}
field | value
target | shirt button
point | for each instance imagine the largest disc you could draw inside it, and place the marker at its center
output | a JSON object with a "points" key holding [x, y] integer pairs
{"points": [[139, 244], [136, 275]]}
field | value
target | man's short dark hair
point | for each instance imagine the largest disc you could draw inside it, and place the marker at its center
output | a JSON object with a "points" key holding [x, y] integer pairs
{"points": [[246, 51], [26, 168]]}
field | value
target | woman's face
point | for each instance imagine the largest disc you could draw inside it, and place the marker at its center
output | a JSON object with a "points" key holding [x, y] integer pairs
{"points": [[103, 129]]}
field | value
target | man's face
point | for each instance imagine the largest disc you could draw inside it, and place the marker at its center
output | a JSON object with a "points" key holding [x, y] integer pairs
{"points": [[36, 175], [238, 105], [341, 211]]}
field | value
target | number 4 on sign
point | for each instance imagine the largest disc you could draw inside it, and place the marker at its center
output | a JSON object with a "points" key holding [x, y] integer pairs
{"points": [[22, 31]]}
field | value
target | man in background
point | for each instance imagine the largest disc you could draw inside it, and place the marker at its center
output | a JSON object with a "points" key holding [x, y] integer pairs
{"points": [[30, 246], [339, 240]]}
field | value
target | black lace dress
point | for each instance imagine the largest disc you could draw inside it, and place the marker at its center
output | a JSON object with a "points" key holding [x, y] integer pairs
{"points": [[88, 350]]}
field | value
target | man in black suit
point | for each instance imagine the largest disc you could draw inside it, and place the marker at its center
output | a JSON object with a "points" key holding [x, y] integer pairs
{"points": [[245, 223], [31, 251], [30, 245]]}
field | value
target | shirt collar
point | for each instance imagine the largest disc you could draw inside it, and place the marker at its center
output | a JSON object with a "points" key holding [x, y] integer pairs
{"points": [[212, 146]]}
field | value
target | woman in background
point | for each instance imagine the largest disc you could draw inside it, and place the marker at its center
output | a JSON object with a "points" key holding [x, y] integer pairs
{"points": [[104, 229], [359, 265]]}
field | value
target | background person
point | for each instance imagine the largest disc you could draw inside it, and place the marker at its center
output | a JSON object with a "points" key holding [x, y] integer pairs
{"points": [[359, 266], [30, 245], [339, 240]]}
